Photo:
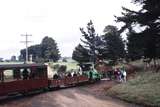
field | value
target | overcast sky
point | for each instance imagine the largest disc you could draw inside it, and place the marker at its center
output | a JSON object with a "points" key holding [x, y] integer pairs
{"points": [[59, 19]]}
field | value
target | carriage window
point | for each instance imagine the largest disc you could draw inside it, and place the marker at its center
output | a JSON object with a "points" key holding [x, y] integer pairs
{"points": [[25, 73], [40, 72], [12, 75], [8, 75], [17, 74]]}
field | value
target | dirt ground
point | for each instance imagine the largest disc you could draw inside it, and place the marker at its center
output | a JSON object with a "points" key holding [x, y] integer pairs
{"points": [[92, 95]]}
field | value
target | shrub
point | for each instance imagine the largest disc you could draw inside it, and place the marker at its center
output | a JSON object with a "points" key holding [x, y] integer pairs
{"points": [[62, 68], [64, 60], [56, 67]]}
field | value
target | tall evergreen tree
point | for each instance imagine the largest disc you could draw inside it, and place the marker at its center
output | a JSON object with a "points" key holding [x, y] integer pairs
{"points": [[80, 54], [135, 49], [90, 49], [91, 41], [50, 50], [114, 46], [148, 17]]}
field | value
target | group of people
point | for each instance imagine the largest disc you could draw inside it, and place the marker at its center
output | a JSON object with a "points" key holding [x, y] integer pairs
{"points": [[17, 74], [60, 76], [118, 73], [27, 74]]}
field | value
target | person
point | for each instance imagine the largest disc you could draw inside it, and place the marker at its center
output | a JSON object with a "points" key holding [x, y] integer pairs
{"points": [[124, 74], [55, 76], [16, 74], [25, 74], [69, 74], [32, 75], [78, 74], [90, 75], [74, 75], [119, 75], [116, 73], [109, 74]]}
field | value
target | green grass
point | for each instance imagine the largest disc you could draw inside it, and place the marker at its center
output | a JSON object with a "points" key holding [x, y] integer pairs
{"points": [[143, 89]]}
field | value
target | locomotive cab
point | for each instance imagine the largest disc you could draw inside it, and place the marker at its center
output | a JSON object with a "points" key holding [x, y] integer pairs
{"points": [[89, 70]]}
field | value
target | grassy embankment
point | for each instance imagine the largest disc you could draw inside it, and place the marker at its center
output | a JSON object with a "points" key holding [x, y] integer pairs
{"points": [[143, 89]]}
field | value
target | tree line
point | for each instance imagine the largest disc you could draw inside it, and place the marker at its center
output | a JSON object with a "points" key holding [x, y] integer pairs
{"points": [[145, 42], [140, 43], [109, 46], [46, 51], [143, 38]]}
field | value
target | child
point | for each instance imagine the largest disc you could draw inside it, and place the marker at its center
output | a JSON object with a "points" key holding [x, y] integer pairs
{"points": [[123, 74]]}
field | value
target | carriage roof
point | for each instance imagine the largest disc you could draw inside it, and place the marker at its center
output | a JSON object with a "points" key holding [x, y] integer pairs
{"points": [[11, 66]]}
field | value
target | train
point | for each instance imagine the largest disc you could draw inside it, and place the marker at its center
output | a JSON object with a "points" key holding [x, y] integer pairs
{"points": [[25, 78]]}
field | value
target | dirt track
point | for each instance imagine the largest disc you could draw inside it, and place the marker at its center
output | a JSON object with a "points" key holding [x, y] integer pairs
{"points": [[84, 96]]}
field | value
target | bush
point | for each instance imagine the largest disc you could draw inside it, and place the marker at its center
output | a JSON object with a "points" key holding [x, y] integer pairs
{"points": [[56, 67], [39, 60], [64, 60], [62, 68]]}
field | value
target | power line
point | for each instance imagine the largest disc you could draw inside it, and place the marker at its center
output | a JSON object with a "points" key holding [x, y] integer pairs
{"points": [[26, 43]]}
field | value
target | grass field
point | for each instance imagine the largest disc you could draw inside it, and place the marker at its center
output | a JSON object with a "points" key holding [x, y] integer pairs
{"points": [[143, 89]]}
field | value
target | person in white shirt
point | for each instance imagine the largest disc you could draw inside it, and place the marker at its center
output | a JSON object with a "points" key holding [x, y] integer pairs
{"points": [[123, 74]]}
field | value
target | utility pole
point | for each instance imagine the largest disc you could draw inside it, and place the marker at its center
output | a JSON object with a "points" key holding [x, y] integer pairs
{"points": [[26, 43]]}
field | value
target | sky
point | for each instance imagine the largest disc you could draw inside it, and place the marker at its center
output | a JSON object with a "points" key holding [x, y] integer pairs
{"points": [[59, 19]]}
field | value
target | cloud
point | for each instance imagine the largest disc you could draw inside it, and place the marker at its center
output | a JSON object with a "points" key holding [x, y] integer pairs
{"points": [[59, 19]]}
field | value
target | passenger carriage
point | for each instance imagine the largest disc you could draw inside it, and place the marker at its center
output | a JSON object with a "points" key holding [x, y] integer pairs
{"points": [[22, 78], [67, 81]]}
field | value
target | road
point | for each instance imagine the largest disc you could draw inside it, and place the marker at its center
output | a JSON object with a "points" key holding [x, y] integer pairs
{"points": [[82, 96]]}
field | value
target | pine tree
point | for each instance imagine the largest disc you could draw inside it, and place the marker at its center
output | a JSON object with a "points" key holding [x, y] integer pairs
{"points": [[80, 54], [135, 49], [90, 40], [149, 18], [50, 50], [114, 46], [91, 45]]}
